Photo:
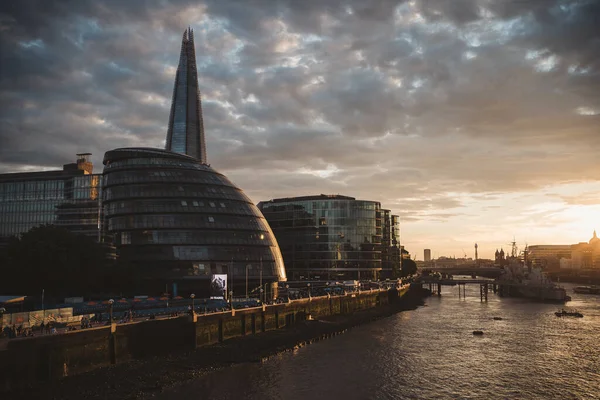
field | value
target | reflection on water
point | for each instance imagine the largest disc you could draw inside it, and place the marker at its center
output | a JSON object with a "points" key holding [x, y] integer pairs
{"points": [[430, 353]]}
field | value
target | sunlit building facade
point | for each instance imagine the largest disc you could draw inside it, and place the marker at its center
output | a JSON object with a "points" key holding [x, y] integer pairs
{"points": [[333, 237], [69, 198], [177, 221]]}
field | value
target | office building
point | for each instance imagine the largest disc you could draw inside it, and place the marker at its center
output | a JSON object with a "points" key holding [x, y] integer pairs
{"points": [[177, 221], [427, 255], [334, 237], [185, 134], [69, 198]]}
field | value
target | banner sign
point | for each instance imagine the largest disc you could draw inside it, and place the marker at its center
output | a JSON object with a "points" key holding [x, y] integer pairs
{"points": [[218, 286]]}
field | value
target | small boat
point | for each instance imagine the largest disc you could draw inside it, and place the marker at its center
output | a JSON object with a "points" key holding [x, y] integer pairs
{"points": [[497, 318], [565, 313], [587, 290], [478, 333]]}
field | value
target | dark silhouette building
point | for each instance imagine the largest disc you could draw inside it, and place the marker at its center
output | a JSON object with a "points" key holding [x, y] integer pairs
{"points": [[185, 134]]}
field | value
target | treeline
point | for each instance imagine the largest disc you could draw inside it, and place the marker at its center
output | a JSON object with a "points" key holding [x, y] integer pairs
{"points": [[61, 263]]}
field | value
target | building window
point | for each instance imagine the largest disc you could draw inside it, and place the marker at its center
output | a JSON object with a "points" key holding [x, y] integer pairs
{"points": [[212, 204], [211, 219], [222, 205], [195, 203], [183, 203], [125, 238]]}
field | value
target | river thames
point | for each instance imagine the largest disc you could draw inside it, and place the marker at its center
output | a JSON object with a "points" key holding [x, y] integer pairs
{"points": [[431, 353]]}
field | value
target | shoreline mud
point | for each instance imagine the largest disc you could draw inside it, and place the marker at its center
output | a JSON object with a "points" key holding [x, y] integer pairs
{"points": [[144, 378]]}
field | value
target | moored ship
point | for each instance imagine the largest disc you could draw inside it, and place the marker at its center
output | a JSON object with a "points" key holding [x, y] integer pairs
{"points": [[531, 283]]}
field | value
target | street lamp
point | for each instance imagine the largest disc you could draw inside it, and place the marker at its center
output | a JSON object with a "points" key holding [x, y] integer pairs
{"points": [[192, 296], [261, 294], [308, 285], [110, 312], [247, 267]]}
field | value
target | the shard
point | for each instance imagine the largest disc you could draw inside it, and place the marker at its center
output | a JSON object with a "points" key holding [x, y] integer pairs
{"points": [[185, 134]]}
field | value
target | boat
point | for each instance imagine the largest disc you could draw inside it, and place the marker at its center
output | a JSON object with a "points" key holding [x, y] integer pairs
{"points": [[566, 313], [529, 282], [587, 289], [478, 333], [497, 318]]}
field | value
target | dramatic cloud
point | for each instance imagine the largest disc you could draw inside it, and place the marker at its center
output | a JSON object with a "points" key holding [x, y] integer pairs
{"points": [[474, 120]]}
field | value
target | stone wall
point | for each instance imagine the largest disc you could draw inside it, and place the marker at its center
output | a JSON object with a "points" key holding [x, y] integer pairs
{"points": [[48, 357]]}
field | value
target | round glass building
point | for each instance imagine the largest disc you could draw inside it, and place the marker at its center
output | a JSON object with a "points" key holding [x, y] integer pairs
{"points": [[177, 222], [329, 236]]}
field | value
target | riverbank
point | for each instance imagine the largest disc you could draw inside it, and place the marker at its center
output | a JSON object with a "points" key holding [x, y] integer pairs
{"points": [[139, 379]]}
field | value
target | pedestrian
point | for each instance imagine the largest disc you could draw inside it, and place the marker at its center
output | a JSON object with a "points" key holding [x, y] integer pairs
{"points": [[42, 327], [48, 328]]}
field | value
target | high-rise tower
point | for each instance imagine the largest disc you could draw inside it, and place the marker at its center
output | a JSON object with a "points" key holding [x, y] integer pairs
{"points": [[185, 134]]}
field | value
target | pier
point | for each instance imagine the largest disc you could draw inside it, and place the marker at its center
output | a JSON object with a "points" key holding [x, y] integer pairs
{"points": [[435, 285]]}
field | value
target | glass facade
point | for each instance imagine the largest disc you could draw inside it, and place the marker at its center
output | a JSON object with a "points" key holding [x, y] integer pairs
{"points": [[185, 134], [178, 221], [69, 198], [329, 237]]}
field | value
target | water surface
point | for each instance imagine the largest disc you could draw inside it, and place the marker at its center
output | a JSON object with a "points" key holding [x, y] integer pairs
{"points": [[431, 353]]}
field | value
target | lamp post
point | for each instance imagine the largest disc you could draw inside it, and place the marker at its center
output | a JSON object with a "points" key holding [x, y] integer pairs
{"points": [[308, 285], [231, 298], [231, 270], [261, 295], [247, 267], [192, 296], [110, 309]]}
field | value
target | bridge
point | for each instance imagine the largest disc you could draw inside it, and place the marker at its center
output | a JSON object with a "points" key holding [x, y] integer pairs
{"points": [[435, 285], [488, 272]]}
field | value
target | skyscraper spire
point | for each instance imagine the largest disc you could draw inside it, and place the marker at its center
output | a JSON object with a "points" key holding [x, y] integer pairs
{"points": [[185, 134]]}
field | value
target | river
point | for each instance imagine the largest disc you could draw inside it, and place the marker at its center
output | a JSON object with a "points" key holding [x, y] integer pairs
{"points": [[431, 353]]}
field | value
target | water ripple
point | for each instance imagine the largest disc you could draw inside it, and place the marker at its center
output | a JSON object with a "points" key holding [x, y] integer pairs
{"points": [[430, 353]]}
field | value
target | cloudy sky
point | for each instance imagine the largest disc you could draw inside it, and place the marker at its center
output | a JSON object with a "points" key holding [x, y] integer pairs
{"points": [[474, 120]]}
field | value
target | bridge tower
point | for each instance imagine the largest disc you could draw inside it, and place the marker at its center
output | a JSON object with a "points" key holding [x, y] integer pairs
{"points": [[476, 257]]}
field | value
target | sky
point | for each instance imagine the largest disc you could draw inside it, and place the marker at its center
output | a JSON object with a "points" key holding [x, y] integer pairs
{"points": [[476, 121]]}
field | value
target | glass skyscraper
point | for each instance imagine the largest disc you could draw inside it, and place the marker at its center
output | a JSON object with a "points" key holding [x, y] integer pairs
{"points": [[185, 134]]}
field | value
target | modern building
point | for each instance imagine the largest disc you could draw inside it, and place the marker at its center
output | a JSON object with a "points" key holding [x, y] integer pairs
{"points": [[427, 255], [177, 222], [548, 256], [334, 237], [185, 133], [69, 198]]}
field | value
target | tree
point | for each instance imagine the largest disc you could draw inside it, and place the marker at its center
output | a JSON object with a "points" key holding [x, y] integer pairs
{"points": [[409, 267], [54, 259]]}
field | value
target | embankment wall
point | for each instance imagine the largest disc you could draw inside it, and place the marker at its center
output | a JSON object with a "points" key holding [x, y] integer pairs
{"points": [[49, 357]]}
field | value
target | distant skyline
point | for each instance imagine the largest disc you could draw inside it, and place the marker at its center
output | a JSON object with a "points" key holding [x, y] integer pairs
{"points": [[475, 120]]}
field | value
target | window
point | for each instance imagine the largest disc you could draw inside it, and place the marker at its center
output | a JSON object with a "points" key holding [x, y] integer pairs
{"points": [[222, 205], [195, 203], [183, 203], [125, 238], [212, 204], [211, 219]]}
